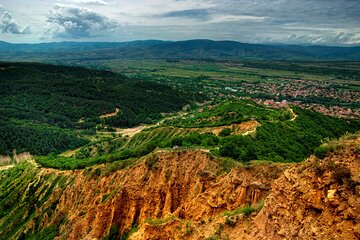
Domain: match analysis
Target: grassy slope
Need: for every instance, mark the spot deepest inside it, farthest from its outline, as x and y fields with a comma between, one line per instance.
x=22, y=191
x=277, y=139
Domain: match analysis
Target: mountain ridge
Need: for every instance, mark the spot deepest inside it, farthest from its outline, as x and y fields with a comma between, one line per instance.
x=187, y=49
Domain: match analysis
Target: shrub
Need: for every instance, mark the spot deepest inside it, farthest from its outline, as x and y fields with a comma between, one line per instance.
x=113, y=234
x=177, y=141
x=259, y=206
x=231, y=221
x=319, y=170
x=47, y=233
x=159, y=221
x=341, y=175
x=247, y=210
x=209, y=140
x=322, y=151
x=225, y=132
x=188, y=228
x=151, y=161
x=126, y=235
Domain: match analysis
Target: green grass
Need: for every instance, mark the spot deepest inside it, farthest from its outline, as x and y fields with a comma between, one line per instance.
x=247, y=210
x=115, y=150
x=159, y=221
x=248, y=71
x=20, y=189
x=108, y=196
x=228, y=113
x=126, y=235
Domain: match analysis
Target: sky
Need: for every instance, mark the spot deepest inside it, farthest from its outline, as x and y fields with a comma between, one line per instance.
x=318, y=22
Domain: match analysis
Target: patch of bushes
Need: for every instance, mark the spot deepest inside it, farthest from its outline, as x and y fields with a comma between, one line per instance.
x=116, y=166
x=247, y=210
x=151, y=161
x=188, y=228
x=159, y=221
x=217, y=234
x=341, y=175
x=225, y=132
x=48, y=233
x=288, y=141
x=227, y=164
x=107, y=196
x=321, y=151
x=127, y=234
x=113, y=233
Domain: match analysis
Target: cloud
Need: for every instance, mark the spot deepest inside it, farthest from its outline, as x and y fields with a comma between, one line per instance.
x=200, y=14
x=90, y=2
x=334, y=22
x=218, y=18
x=210, y=16
x=9, y=25
x=68, y=21
x=324, y=38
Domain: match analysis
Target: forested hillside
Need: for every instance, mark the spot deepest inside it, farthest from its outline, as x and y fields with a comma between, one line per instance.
x=189, y=49
x=41, y=104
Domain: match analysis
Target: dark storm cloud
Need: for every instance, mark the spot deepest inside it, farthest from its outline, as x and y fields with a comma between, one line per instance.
x=75, y=22
x=9, y=25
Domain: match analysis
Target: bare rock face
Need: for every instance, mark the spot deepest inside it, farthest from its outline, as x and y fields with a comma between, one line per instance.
x=188, y=195
x=317, y=199
x=184, y=185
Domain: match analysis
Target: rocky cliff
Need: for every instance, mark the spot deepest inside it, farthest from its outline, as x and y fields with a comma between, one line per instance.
x=186, y=195
x=163, y=187
x=318, y=199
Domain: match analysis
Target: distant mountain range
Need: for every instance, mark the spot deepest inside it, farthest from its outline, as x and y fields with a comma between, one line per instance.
x=156, y=49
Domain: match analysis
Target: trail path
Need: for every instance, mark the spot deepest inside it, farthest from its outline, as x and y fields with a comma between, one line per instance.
x=117, y=110
x=249, y=132
x=294, y=115
x=130, y=132
x=3, y=168
x=30, y=160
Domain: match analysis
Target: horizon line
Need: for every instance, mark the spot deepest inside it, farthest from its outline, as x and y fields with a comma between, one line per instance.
x=187, y=40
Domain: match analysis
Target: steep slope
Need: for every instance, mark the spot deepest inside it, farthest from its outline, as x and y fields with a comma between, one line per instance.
x=187, y=195
x=319, y=199
x=181, y=186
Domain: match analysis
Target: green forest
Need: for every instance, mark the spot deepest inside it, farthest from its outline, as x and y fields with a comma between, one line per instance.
x=41, y=105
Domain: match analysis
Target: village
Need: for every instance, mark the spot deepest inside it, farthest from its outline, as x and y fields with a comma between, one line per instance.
x=334, y=111
x=324, y=97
